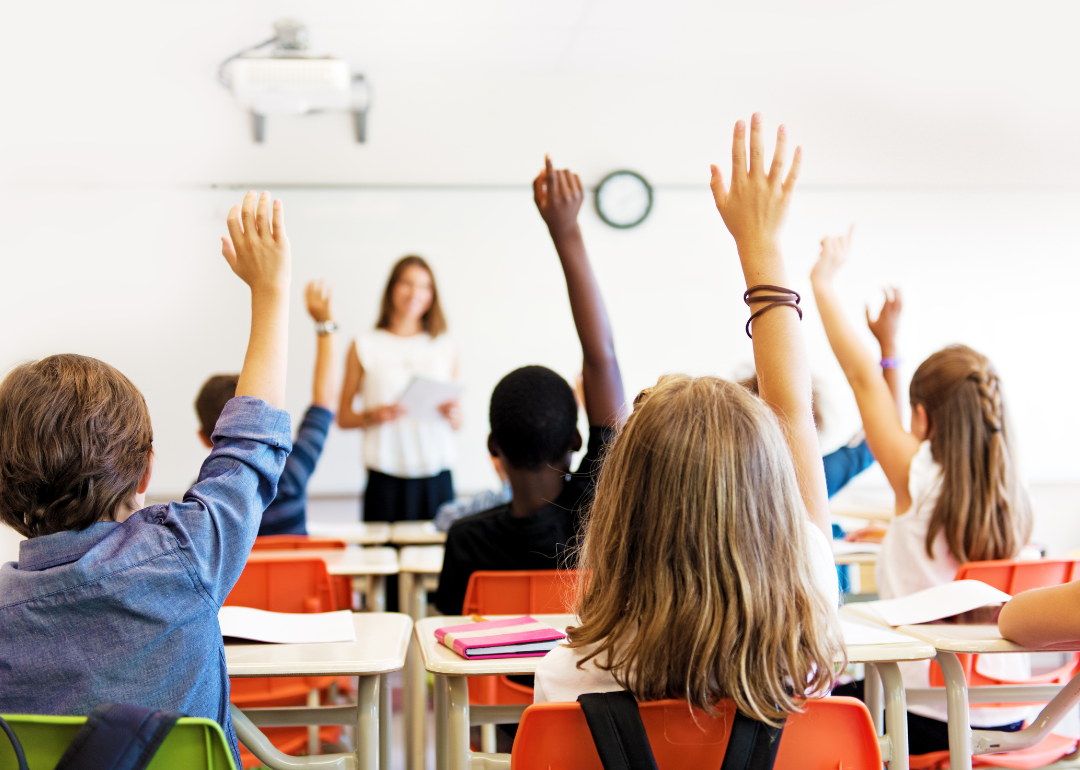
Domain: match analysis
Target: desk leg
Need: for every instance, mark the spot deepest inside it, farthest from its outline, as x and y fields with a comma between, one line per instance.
x=895, y=714
x=367, y=723
x=412, y=595
x=956, y=693
x=442, y=728
x=872, y=697
x=386, y=716
x=457, y=723
x=376, y=595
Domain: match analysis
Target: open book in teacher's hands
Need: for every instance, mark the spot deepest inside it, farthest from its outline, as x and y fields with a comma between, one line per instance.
x=423, y=397
x=507, y=638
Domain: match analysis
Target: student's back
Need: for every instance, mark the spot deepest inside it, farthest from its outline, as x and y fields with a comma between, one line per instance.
x=112, y=601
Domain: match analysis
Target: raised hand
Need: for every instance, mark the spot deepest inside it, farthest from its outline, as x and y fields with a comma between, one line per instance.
x=257, y=248
x=756, y=203
x=318, y=294
x=834, y=253
x=888, y=320
x=558, y=195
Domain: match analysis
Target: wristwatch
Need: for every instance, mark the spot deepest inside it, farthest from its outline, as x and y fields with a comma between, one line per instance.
x=325, y=327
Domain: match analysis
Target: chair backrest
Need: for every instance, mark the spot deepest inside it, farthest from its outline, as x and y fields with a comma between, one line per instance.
x=520, y=592
x=289, y=585
x=295, y=543
x=829, y=733
x=1013, y=575
x=193, y=744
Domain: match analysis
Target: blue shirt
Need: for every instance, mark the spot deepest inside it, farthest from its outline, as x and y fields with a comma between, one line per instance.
x=287, y=515
x=127, y=612
x=844, y=464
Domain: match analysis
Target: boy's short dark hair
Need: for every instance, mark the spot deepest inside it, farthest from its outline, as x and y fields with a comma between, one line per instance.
x=75, y=441
x=533, y=416
x=215, y=393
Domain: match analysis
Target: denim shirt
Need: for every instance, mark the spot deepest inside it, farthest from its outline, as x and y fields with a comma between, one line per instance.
x=127, y=612
x=287, y=515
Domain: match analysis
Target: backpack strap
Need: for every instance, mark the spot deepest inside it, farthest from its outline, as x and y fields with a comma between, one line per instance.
x=752, y=745
x=617, y=730
x=118, y=736
x=20, y=757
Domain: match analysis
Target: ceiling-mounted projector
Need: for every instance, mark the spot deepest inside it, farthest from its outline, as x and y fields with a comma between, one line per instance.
x=290, y=82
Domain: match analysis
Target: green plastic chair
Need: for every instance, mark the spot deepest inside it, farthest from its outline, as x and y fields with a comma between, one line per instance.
x=193, y=744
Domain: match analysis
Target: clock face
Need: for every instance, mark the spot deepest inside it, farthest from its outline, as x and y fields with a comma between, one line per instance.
x=623, y=199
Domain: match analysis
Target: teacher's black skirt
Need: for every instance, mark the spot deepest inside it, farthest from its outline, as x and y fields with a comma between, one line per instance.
x=391, y=498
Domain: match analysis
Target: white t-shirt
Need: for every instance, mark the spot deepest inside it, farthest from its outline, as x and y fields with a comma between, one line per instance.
x=406, y=448
x=558, y=679
x=904, y=568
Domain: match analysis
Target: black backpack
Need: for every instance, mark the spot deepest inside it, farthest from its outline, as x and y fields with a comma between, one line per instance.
x=115, y=736
x=616, y=727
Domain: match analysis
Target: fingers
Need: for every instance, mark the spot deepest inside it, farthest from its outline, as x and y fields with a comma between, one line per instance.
x=228, y=251
x=738, y=152
x=897, y=300
x=850, y=233
x=776, y=173
x=538, y=189
x=793, y=172
x=719, y=190
x=247, y=211
x=560, y=186
x=577, y=189
x=549, y=175
x=262, y=214
x=869, y=320
x=236, y=230
x=757, y=146
x=279, y=219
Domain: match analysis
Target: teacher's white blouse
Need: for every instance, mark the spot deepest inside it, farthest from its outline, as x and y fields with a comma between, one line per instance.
x=406, y=447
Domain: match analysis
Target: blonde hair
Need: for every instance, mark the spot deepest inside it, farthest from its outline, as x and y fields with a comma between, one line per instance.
x=695, y=576
x=983, y=509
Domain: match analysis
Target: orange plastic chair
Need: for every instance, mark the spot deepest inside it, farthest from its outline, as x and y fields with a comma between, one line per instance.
x=297, y=585
x=830, y=733
x=1012, y=576
x=341, y=583
x=516, y=592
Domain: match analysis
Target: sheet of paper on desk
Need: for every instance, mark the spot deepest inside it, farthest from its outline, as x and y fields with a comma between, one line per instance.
x=939, y=602
x=865, y=633
x=844, y=547
x=423, y=397
x=285, y=627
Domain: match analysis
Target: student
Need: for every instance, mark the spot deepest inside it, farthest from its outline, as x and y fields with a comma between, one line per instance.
x=958, y=495
x=407, y=458
x=534, y=426
x=111, y=601
x=706, y=569
x=287, y=514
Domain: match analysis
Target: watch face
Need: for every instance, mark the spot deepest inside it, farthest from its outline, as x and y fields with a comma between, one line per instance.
x=623, y=199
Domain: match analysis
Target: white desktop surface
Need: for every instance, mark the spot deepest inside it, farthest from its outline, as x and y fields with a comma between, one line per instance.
x=421, y=559
x=356, y=532
x=350, y=561
x=416, y=533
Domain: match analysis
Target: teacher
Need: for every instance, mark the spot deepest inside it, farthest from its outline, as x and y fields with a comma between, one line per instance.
x=407, y=459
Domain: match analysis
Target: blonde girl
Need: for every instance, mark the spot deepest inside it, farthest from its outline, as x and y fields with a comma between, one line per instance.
x=954, y=475
x=707, y=570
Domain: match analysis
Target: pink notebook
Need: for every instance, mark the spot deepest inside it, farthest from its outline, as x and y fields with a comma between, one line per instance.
x=510, y=638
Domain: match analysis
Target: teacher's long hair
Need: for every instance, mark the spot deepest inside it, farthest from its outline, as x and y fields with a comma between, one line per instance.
x=433, y=321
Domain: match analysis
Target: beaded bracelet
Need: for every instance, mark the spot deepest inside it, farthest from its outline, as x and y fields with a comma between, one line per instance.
x=776, y=300
x=890, y=362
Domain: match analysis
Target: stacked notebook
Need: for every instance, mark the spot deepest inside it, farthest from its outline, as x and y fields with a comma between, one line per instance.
x=508, y=638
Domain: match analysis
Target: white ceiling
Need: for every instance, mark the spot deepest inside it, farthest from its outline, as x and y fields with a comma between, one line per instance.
x=474, y=91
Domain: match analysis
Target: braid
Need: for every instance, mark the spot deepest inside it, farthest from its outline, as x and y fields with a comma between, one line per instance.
x=989, y=397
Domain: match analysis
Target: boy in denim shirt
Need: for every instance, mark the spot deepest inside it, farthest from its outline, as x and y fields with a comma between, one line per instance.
x=111, y=601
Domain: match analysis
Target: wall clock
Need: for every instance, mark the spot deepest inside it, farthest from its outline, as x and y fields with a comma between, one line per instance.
x=624, y=199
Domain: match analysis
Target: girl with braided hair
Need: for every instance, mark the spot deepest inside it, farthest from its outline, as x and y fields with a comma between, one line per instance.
x=959, y=497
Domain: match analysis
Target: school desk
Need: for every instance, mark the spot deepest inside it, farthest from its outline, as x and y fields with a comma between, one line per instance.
x=951, y=640
x=419, y=566
x=368, y=567
x=355, y=532
x=416, y=533
x=453, y=715
x=382, y=639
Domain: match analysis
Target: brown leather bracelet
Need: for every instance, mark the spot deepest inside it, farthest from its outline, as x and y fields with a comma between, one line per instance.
x=766, y=287
x=766, y=309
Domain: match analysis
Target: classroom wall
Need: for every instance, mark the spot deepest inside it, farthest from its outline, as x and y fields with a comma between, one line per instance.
x=948, y=143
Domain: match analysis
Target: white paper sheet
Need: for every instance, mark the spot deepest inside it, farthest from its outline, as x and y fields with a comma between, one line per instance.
x=423, y=397
x=867, y=633
x=843, y=547
x=285, y=627
x=939, y=602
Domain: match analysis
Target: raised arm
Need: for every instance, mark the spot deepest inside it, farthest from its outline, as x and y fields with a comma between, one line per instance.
x=558, y=195
x=884, y=330
x=753, y=210
x=892, y=446
x=324, y=382
x=257, y=250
